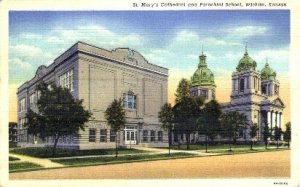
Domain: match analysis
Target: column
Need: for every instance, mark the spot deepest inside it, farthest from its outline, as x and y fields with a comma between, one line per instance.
x=269, y=118
x=280, y=114
x=276, y=119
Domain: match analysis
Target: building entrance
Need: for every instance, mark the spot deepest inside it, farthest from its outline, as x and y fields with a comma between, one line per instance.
x=130, y=135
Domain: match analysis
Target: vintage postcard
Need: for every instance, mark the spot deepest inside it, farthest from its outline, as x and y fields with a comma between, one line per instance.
x=149, y=93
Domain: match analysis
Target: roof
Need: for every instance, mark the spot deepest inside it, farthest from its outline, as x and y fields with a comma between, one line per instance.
x=267, y=73
x=203, y=76
x=246, y=63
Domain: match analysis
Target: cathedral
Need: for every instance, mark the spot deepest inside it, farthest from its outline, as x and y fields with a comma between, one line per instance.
x=254, y=93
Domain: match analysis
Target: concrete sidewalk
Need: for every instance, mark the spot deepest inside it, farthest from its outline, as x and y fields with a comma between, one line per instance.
x=40, y=161
x=47, y=162
x=166, y=151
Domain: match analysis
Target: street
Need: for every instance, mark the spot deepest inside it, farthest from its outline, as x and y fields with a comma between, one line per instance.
x=263, y=164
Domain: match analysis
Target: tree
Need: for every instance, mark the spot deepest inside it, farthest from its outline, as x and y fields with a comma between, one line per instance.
x=253, y=133
x=277, y=134
x=59, y=114
x=266, y=134
x=183, y=90
x=185, y=110
x=232, y=124
x=115, y=116
x=209, y=121
x=287, y=133
x=185, y=115
x=12, y=133
x=166, y=117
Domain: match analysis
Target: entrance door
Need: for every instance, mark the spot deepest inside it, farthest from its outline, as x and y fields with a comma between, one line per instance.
x=130, y=135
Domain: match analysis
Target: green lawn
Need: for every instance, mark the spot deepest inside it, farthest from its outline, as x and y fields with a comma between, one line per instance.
x=23, y=166
x=47, y=152
x=247, y=149
x=120, y=159
x=219, y=146
x=11, y=158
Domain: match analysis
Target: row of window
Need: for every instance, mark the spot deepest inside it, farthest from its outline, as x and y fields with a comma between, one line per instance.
x=112, y=136
x=203, y=93
x=66, y=80
x=103, y=135
x=152, y=136
x=267, y=90
x=244, y=83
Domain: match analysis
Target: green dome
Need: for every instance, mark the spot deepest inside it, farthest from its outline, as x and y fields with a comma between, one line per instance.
x=267, y=73
x=203, y=76
x=246, y=63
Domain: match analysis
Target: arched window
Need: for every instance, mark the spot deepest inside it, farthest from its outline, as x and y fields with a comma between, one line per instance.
x=242, y=85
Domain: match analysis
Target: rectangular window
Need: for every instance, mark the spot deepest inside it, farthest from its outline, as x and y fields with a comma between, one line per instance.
x=233, y=84
x=204, y=94
x=276, y=90
x=129, y=101
x=22, y=122
x=241, y=133
x=152, y=136
x=66, y=80
x=264, y=90
x=242, y=85
x=92, y=135
x=22, y=105
x=160, y=136
x=145, y=136
x=113, y=135
x=247, y=82
x=32, y=99
x=38, y=95
x=103, y=135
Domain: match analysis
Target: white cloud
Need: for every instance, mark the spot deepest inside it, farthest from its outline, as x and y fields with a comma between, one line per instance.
x=159, y=56
x=186, y=36
x=277, y=56
x=30, y=36
x=18, y=63
x=96, y=29
x=247, y=31
x=232, y=56
x=26, y=50
x=219, y=42
x=54, y=39
x=97, y=35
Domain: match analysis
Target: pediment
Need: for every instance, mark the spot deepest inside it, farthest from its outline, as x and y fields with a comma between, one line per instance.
x=41, y=71
x=278, y=102
x=131, y=56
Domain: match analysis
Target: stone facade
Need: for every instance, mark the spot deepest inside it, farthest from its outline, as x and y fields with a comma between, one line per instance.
x=254, y=93
x=98, y=76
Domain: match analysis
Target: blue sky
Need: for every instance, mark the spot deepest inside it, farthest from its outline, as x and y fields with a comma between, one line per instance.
x=168, y=38
x=172, y=39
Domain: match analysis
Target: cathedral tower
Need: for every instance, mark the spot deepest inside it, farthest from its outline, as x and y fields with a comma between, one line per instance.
x=269, y=84
x=246, y=81
x=202, y=82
